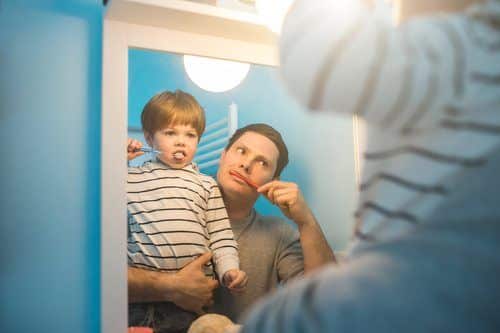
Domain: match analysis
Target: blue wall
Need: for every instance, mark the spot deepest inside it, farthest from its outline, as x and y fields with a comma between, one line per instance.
x=50, y=86
x=320, y=146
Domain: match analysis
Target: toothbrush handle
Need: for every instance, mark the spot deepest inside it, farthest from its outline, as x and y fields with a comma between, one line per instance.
x=149, y=150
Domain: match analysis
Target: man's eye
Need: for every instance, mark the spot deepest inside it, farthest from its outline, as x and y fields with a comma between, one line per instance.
x=263, y=163
x=240, y=150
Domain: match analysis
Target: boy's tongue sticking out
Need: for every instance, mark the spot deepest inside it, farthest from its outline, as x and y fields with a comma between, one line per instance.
x=179, y=155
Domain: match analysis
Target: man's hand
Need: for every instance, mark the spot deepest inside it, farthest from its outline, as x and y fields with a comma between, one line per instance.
x=236, y=281
x=288, y=197
x=133, y=147
x=193, y=290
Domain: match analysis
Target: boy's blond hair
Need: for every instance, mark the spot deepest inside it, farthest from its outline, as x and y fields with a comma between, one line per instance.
x=172, y=108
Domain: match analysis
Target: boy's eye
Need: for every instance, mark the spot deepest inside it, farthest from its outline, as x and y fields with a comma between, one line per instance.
x=192, y=135
x=169, y=132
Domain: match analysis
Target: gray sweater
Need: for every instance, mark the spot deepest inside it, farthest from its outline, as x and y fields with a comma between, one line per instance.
x=270, y=254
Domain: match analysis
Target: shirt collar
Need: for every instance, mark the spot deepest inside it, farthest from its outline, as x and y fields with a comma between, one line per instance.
x=240, y=225
x=190, y=167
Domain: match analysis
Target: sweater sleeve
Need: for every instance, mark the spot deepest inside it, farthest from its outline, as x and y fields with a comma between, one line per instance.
x=411, y=285
x=221, y=238
x=333, y=300
x=339, y=55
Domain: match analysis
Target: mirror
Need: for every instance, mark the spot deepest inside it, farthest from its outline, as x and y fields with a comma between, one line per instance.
x=321, y=146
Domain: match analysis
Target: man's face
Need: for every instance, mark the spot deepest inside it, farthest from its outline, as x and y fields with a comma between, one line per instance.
x=255, y=157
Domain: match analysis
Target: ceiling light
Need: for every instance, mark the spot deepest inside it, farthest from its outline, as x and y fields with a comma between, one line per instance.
x=215, y=75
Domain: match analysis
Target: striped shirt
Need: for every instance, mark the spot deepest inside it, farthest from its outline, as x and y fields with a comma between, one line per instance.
x=429, y=91
x=175, y=215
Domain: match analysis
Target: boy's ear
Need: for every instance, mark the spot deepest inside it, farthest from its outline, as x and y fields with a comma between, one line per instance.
x=149, y=138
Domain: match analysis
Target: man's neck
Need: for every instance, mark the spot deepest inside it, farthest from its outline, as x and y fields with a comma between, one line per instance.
x=238, y=209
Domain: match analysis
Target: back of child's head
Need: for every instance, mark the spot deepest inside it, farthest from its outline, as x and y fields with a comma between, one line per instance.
x=172, y=108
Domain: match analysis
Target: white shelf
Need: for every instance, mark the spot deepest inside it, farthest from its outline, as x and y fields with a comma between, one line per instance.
x=192, y=17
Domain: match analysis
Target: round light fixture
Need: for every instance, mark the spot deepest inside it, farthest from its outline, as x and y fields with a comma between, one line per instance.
x=215, y=75
x=273, y=12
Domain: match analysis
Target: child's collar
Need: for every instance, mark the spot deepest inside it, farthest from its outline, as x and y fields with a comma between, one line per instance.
x=192, y=166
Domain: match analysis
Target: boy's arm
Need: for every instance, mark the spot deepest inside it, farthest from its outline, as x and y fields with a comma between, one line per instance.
x=221, y=238
x=189, y=288
x=357, y=51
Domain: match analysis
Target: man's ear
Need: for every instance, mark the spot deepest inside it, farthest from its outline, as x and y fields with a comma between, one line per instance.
x=149, y=138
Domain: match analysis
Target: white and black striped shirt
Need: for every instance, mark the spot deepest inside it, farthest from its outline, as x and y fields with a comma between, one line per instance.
x=175, y=215
x=429, y=91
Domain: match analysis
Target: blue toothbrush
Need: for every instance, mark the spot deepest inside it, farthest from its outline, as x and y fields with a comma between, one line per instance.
x=149, y=150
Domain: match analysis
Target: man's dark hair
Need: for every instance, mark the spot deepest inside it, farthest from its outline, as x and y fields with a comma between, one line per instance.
x=270, y=133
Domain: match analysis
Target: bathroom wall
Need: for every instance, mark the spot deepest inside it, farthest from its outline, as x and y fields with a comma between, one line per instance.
x=50, y=86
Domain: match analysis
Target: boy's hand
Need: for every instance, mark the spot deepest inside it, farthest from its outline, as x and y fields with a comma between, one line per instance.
x=235, y=280
x=133, y=147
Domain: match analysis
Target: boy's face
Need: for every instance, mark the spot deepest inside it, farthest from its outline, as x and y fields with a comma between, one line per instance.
x=176, y=143
x=255, y=157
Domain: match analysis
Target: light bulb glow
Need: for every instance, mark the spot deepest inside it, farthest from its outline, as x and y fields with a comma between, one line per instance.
x=215, y=75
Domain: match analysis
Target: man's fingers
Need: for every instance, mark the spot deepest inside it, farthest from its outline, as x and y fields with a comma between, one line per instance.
x=286, y=199
x=264, y=188
x=272, y=184
x=213, y=284
x=201, y=260
x=270, y=194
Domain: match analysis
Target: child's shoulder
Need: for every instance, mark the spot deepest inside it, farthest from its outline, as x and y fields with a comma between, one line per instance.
x=207, y=179
x=147, y=166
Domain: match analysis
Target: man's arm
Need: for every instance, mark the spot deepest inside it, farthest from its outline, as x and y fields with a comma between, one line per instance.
x=316, y=250
x=189, y=288
x=288, y=197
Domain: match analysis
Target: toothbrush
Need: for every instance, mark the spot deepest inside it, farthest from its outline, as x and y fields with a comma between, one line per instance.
x=149, y=150
x=246, y=180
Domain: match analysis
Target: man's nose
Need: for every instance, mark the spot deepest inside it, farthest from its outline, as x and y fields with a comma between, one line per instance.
x=245, y=165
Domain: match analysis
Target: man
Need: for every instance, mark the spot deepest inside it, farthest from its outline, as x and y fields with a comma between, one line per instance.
x=271, y=251
x=428, y=237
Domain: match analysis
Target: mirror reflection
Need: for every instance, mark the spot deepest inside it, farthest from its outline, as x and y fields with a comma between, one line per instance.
x=195, y=190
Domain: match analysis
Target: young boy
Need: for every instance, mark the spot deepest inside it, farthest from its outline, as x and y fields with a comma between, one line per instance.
x=425, y=257
x=175, y=213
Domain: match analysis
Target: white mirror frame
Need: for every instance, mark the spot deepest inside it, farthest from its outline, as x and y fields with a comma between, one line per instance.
x=162, y=25
x=171, y=26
